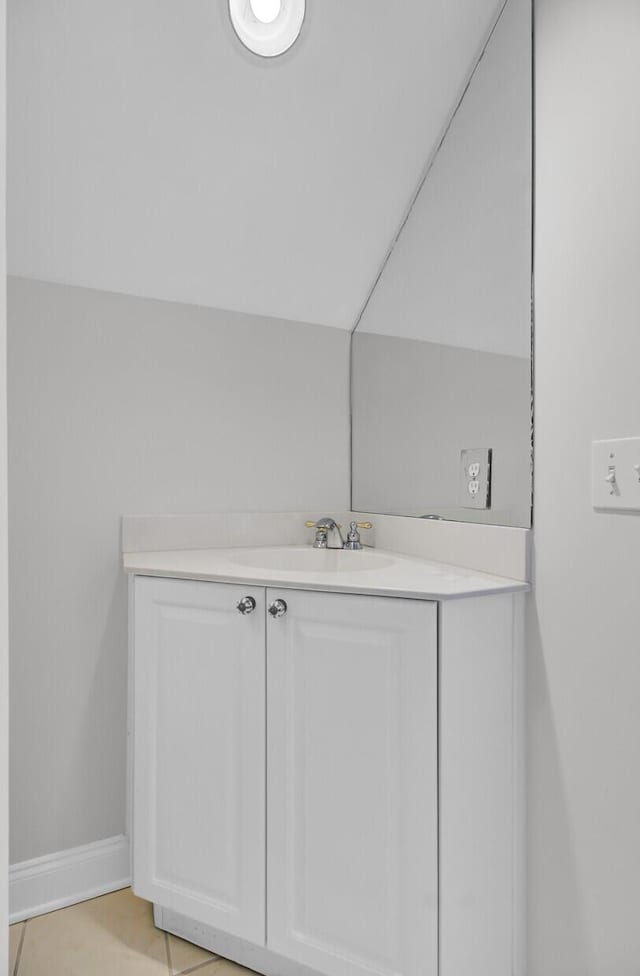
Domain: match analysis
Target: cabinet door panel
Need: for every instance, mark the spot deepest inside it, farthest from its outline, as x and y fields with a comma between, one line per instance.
x=352, y=784
x=199, y=752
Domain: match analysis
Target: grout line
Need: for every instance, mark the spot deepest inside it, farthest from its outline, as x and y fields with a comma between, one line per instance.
x=19, y=953
x=427, y=170
x=200, y=965
x=168, y=949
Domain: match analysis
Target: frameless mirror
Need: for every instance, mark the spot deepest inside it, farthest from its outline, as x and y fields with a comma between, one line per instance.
x=441, y=356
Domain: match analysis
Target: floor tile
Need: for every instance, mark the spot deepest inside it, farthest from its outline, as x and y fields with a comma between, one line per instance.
x=184, y=955
x=111, y=935
x=15, y=935
x=223, y=967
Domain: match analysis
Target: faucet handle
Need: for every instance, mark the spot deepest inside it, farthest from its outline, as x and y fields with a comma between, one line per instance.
x=353, y=538
x=314, y=525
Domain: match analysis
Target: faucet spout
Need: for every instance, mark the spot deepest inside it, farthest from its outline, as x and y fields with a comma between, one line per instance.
x=323, y=527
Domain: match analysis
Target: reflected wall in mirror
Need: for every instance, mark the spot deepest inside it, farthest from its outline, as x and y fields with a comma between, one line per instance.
x=441, y=357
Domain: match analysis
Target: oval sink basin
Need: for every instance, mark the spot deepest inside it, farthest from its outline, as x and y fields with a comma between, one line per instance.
x=311, y=560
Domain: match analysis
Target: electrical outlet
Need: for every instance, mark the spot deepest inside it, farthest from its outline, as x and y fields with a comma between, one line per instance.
x=475, y=478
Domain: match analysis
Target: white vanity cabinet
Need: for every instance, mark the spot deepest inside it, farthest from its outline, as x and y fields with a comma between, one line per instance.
x=199, y=753
x=331, y=790
x=352, y=839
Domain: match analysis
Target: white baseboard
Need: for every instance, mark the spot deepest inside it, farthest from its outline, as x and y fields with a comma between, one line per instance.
x=54, y=881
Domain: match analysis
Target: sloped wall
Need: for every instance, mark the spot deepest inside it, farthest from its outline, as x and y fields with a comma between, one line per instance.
x=151, y=154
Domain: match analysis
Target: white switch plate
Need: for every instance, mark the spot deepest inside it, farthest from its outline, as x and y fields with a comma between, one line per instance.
x=616, y=474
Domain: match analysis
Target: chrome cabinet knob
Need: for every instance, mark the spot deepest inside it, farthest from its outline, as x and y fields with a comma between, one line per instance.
x=247, y=605
x=278, y=608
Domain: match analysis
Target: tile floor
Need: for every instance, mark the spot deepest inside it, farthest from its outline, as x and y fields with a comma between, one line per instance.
x=109, y=936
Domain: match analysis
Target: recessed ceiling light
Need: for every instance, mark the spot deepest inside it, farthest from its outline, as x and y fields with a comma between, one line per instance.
x=267, y=27
x=266, y=11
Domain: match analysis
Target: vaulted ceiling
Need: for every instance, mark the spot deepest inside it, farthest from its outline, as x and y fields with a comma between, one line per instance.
x=150, y=154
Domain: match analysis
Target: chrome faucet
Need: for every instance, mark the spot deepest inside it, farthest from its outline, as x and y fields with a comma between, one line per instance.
x=326, y=525
x=323, y=527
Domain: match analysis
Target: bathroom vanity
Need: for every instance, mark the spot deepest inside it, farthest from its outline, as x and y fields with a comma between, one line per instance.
x=327, y=746
x=326, y=749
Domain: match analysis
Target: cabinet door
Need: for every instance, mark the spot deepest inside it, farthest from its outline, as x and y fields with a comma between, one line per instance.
x=199, y=752
x=352, y=784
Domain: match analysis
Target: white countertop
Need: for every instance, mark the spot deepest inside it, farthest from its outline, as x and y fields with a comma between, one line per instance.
x=387, y=573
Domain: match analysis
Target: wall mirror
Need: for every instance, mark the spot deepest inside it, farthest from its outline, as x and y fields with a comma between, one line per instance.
x=441, y=355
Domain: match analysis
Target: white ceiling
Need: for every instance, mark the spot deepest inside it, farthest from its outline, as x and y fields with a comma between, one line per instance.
x=150, y=154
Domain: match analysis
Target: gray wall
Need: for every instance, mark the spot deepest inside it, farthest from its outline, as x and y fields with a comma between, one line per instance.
x=416, y=406
x=4, y=610
x=584, y=643
x=125, y=405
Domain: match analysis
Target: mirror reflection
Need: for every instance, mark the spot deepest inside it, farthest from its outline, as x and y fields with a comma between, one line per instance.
x=441, y=356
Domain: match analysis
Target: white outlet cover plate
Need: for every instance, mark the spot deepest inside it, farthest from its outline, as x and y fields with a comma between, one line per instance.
x=475, y=478
x=620, y=456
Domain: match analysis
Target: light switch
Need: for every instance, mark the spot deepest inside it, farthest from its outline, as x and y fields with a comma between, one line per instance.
x=616, y=474
x=475, y=478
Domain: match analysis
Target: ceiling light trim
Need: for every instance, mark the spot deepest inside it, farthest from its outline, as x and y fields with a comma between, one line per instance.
x=268, y=40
